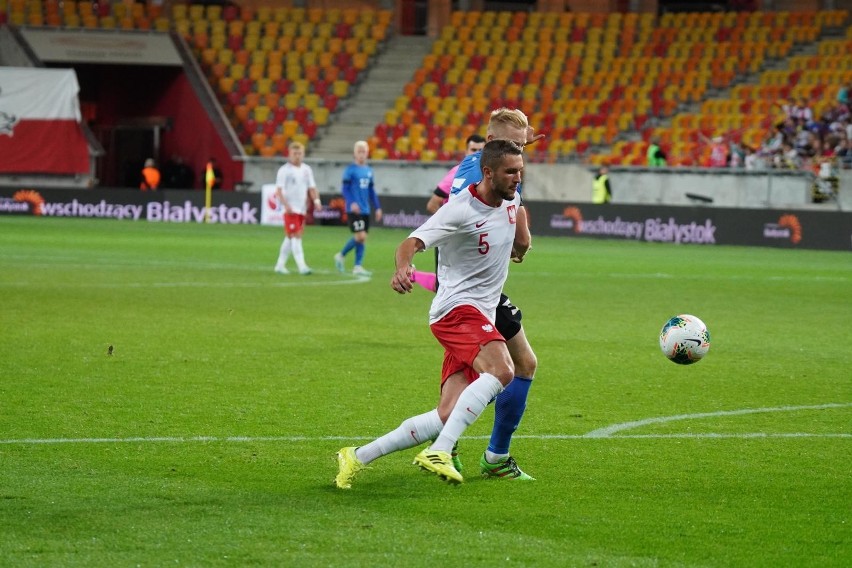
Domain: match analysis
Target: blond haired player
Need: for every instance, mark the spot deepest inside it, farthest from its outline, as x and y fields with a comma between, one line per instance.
x=294, y=185
x=359, y=193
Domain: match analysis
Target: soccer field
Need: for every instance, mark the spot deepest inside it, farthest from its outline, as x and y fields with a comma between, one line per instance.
x=168, y=400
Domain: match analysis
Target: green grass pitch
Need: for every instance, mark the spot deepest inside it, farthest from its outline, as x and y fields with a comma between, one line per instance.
x=207, y=436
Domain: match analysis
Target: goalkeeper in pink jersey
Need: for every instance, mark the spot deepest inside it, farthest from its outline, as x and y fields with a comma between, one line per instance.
x=476, y=234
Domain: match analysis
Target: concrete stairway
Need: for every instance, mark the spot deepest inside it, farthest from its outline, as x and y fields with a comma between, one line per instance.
x=376, y=94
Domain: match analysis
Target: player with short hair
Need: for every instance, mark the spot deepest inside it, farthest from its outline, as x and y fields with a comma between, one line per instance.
x=476, y=234
x=359, y=192
x=294, y=184
x=509, y=407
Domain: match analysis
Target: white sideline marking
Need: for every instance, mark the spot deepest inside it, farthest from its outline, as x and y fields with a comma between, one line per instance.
x=770, y=278
x=303, y=281
x=296, y=439
x=608, y=431
x=599, y=433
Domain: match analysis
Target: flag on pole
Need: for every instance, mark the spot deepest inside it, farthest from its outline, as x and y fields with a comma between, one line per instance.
x=209, y=180
x=209, y=177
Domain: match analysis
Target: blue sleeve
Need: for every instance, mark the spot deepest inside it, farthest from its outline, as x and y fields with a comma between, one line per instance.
x=469, y=172
x=346, y=187
x=374, y=197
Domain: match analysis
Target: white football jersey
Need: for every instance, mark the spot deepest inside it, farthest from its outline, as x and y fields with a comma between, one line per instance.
x=475, y=240
x=294, y=181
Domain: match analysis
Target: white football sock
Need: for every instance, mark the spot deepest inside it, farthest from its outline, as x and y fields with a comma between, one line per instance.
x=412, y=432
x=469, y=406
x=298, y=253
x=491, y=457
x=284, y=252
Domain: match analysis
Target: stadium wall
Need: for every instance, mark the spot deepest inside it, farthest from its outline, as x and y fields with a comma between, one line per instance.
x=11, y=52
x=573, y=182
x=705, y=226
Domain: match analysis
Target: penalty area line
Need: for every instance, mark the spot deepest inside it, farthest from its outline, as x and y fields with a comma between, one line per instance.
x=608, y=431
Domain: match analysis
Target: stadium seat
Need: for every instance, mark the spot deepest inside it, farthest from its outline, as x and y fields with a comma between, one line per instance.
x=569, y=64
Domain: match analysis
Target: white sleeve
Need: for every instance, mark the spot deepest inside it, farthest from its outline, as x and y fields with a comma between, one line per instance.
x=311, y=181
x=281, y=178
x=443, y=224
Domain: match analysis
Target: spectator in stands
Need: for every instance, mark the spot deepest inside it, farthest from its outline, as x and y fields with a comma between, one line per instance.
x=150, y=176
x=838, y=122
x=774, y=145
x=843, y=96
x=601, y=190
x=656, y=156
x=788, y=158
x=843, y=151
x=797, y=113
x=804, y=115
x=788, y=107
x=736, y=154
x=177, y=175
x=789, y=129
x=718, y=152
x=804, y=142
x=753, y=159
x=816, y=150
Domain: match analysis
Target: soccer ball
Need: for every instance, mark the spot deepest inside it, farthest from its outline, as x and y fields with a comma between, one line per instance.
x=684, y=339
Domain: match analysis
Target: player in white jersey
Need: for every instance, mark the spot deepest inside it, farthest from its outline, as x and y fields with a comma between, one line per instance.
x=467, y=215
x=497, y=462
x=476, y=235
x=294, y=184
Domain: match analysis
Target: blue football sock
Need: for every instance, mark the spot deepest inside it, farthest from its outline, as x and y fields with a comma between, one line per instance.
x=508, y=410
x=350, y=244
x=359, y=253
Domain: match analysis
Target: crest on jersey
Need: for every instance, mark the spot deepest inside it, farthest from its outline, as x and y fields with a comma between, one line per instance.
x=512, y=211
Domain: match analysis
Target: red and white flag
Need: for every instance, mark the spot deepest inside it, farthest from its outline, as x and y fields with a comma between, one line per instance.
x=40, y=130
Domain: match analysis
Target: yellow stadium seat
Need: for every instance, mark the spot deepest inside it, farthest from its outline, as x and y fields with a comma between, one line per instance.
x=320, y=116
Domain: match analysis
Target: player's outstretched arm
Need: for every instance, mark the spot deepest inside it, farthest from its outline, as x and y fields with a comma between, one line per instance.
x=434, y=203
x=401, y=281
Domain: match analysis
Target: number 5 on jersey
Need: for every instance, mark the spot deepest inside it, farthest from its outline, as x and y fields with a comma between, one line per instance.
x=484, y=247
